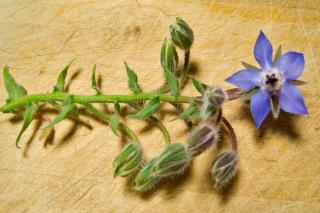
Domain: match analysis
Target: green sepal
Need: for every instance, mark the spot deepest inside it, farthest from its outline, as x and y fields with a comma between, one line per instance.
x=169, y=57
x=133, y=80
x=189, y=111
x=247, y=95
x=14, y=89
x=115, y=119
x=28, y=116
x=275, y=107
x=298, y=82
x=200, y=87
x=152, y=107
x=68, y=109
x=250, y=67
x=277, y=55
x=59, y=87
x=94, y=84
x=172, y=82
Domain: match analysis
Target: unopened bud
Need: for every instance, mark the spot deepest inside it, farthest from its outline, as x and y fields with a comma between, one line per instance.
x=212, y=99
x=174, y=160
x=146, y=179
x=128, y=161
x=224, y=168
x=169, y=57
x=181, y=34
x=202, y=137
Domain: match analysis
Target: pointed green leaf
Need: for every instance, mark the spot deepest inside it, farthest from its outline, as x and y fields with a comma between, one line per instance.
x=251, y=67
x=200, y=87
x=149, y=109
x=94, y=84
x=59, y=87
x=298, y=82
x=68, y=109
x=133, y=80
x=29, y=114
x=277, y=55
x=172, y=82
x=189, y=111
x=247, y=95
x=115, y=119
x=15, y=90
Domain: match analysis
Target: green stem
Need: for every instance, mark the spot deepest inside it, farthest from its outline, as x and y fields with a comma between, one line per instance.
x=156, y=122
x=107, y=119
x=85, y=99
x=184, y=74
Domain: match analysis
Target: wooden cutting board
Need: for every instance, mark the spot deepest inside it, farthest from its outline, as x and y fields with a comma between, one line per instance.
x=280, y=163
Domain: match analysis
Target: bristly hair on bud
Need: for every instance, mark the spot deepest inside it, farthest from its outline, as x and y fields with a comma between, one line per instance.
x=202, y=137
x=128, y=161
x=212, y=100
x=181, y=34
x=169, y=57
x=146, y=179
x=173, y=161
x=224, y=168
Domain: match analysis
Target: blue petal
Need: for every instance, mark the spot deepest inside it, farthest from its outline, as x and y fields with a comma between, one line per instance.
x=263, y=51
x=291, y=100
x=291, y=64
x=245, y=79
x=260, y=106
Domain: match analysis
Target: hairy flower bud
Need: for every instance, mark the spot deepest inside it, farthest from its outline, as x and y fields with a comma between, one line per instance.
x=146, y=179
x=202, y=137
x=128, y=161
x=169, y=57
x=172, y=161
x=224, y=168
x=181, y=34
x=212, y=99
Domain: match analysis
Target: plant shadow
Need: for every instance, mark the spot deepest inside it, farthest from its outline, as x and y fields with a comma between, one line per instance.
x=285, y=124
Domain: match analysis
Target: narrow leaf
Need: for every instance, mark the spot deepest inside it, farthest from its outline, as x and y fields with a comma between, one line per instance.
x=200, y=87
x=133, y=80
x=59, y=87
x=14, y=90
x=277, y=55
x=189, y=111
x=249, y=66
x=115, y=119
x=68, y=109
x=275, y=107
x=172, y=82
x=247, y=95
x=298, y=82
x=29, y=114
x=149, y=109
x=94, y=84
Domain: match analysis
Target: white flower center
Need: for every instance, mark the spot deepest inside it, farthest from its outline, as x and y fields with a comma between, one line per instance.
x=271, y=80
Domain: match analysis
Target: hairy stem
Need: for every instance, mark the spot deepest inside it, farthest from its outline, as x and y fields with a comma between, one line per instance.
x=85, y=99
x=107, y=119
x=232, y=134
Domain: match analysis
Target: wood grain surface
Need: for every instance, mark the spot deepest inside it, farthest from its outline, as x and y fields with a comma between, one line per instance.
x=279, y=164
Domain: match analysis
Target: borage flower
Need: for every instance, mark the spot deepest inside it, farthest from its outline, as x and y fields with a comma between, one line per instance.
x=274, y=80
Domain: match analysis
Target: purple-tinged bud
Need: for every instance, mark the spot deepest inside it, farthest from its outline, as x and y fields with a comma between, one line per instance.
x=224, y=168
x=128, y=161
x=212, y=100
x=202, y=137
x=181, y=34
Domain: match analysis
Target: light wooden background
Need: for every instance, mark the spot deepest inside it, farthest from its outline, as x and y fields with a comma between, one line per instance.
x=280, y=163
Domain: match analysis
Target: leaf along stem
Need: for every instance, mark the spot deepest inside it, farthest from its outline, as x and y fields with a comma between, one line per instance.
x=86, y=99
x=107, y=119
